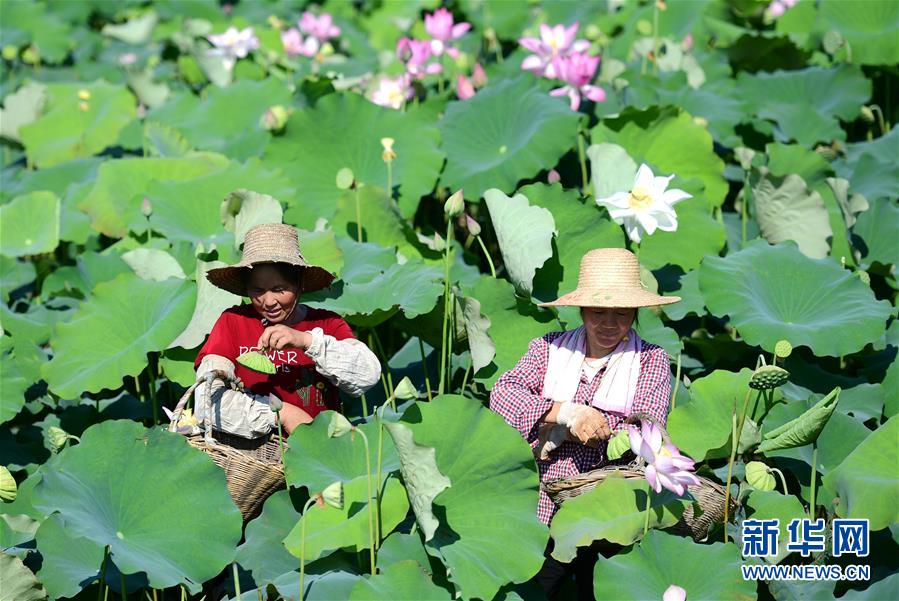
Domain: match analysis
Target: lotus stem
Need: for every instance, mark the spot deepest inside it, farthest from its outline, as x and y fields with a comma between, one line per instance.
x=676, y=384
x=744, y=208
x=102, y=580
x=364, y=405
x=449, y=343
x=811, y=507
x=281, y=443
x=647, y=509
x=582, y=159
x=236, y=579
x=783, y=480
x=151, y=382
x=380, y=417
x=743, y=413
x=358, y=213
x=424, y=366
x=303, y=547
x=371, y=502
x=487, y=255
x=122, y=584
x=465, y=377
x=373, y=333
x=390, y=179
x=655, y=39
x=446, y=292
x=730, y=467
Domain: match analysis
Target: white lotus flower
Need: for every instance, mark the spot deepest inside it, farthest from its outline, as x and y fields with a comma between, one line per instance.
x=233, y=44
x=647, y=207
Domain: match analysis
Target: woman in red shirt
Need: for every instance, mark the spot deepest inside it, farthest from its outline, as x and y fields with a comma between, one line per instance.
x=314, y=350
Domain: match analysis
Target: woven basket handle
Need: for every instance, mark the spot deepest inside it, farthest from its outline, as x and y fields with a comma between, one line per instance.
x=207, y=378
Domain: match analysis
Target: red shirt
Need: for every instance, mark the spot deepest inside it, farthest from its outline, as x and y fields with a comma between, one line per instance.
x=295, y=381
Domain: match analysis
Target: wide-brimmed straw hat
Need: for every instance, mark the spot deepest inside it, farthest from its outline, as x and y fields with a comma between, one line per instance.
x=269, y=243
x=610, y=277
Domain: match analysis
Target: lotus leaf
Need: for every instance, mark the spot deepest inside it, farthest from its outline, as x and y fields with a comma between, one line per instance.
x=791, y=211
x=153, y=264
x=404, y=580
x=24, y=234
x=399, y=547
x=481, y=346
x=759, y=477
x=262, y=551
x=804, y=429
x=751, y=287
x=14, y=274
x=19, y=584
x=492, y=497
x=69, y=563
x=120, y=488
x=21, y=108
x=611, y=169
x=877, y=228
x=109, y=335
x=660, y=560
x=613, y=511
x=866, y=481
x=871, y=33
x=489, y=146
x=767, y=505
x=211, y=302
x=618, y=446
x=164, y=141
x=257, y=362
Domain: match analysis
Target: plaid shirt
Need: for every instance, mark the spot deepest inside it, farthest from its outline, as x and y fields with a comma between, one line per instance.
x=517, y=396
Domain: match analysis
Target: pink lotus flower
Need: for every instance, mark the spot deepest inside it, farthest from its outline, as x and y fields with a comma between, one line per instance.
x=442, y=28
x=577, y=71
x=674, y=593
x=392, y=92
x=478, y=76
x=321, y=28
x=665, y=466
x=417, y=54
x=464, y=88
x=554, y=42
x=295, y=45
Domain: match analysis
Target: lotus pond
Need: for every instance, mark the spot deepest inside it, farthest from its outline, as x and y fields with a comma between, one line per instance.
x=451, y=167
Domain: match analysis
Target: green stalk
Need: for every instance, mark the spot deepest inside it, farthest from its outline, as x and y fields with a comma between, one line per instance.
x=465, y=377
x=236, y=579
x=783, y=480
x=102, y=580
x=811, y=507
x=371, y=502
x=389, y=179
x=582, y=158
x=374, y=335
x=151, y=377
x=449, y=344
x=122, y=583
x=487, y=254
x=648, y=509
x=303, y=547
x=281, y=443
x=655, y=39
x=446, y=292
x=358, y=214
x=364, y=406
x=424, y=366
x=730, y=468
x=676, y=384
x=743, y=209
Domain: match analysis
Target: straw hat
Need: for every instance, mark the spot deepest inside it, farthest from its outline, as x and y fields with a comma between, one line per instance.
x=269, y=243
x=610, y=277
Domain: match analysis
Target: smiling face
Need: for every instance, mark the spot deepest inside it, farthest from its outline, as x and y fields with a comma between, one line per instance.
x=606, y=327
x=273, y=291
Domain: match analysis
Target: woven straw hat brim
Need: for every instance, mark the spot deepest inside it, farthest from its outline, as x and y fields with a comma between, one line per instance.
x=231, y=279
x=611, y=298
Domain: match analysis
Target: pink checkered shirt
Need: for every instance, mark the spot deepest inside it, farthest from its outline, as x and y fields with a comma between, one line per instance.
x=517, y=397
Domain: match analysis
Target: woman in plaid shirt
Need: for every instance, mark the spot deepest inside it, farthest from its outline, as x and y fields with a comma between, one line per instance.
x=573, y=390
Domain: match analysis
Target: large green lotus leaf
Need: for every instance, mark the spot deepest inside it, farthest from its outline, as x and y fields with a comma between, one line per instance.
x=480, y=345
x=122, y=485
x=381, y=220
x=891, y=386
x=420, y=474
x=109, y=335
x=19, y=583
x=48, y=32
x=21, y=108
x=320, y=248
x=870, y=166
x=329, y=528
x=490, y=143
x=400, y=546
x=492, y=499
x=718, y=102
x=878, y=228
x=866, y=482
x=702, y=428
x=872, y=33
x=691, y=298
x=524, y=233
x=65, y=131
x=402, y=581
x=13, y=384
x=805, y=104
x=35, y=324
x=776, y=293
x=766, y=505
x=211, y=302
x=514, y=322
x=611, y=169
x=790, y=211
x=651, y=329
x=153, y=264
x=262, y=552
x=698, y=234
x=191, y=208
x=69, y=563
x=345, y=130
x=90, y=269
x=226, y=120
x=14, y=274
x=122, y=184
x=505, y=18
x=803, y=429
x=671, y=144
x=164, y=141
x=244, y=209
x=614, y=511
x=582, y=228
x=315, y=460
x=29, y=224
x=646, y=571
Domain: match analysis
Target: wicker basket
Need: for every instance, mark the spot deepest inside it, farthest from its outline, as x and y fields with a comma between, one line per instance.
x=708, y=495
x=253, y=467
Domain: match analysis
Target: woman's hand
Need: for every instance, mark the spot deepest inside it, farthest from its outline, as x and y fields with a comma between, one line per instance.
x=279, y=337
x=586, y=424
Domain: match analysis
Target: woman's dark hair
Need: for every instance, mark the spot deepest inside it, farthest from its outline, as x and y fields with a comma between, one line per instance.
x=291, y=273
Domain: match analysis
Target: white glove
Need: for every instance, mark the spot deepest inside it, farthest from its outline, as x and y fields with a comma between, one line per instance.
x=231, y=411
x=549, y=438
x=584, y=422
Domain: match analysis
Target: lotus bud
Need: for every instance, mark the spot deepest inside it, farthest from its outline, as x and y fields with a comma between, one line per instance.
x=867, y=114
x=553, y=177
x=388, y=155
x=782, y=349
x=275, y=403
x=464, y=88
x=439, y=244
x=660, y=4
x=8, y=487
x=454, y=205
x=333, y=495
x=338, y=426
x=405, y=390
x=84, y=107
x=275, y=22
x=57, y=437
x=31, y=55
x=345, y=178
x=674, y=593
x=84, y=94
x=146, y=207
x=478, y=76
x=759, y=476
x=10, y=52
x=592, y=32
x=473, y=226
x=275, y=118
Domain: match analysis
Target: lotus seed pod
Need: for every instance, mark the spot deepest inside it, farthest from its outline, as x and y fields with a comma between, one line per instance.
x=863, y=276
x=333, y=495
x=783, y=348
x=454, y=205
x=619, y=445
x=257, y=362
x=758, y=476
x=8, y=488
x=768, y=377
x=389, y=154
x=57, y=437
x=405, y=390
x=275, y=403
x=473, y=226
x=31, y=55
x=345, y=178
x=867, y=114
x=338, y=426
